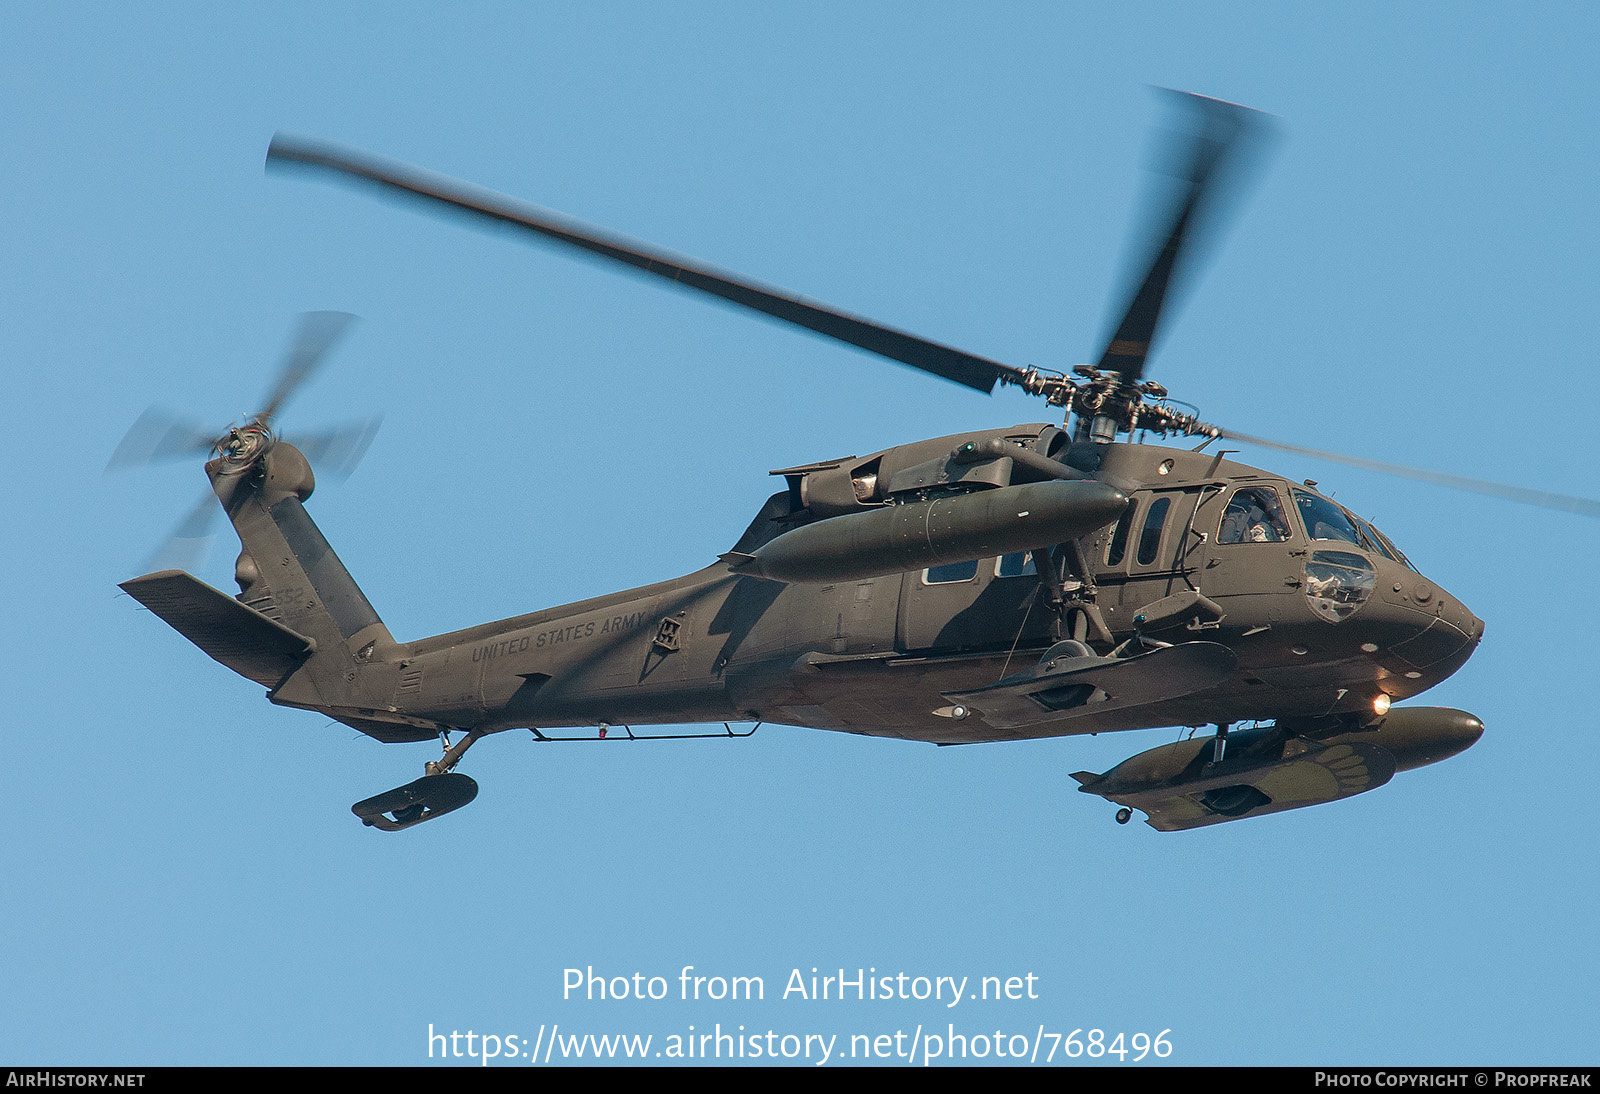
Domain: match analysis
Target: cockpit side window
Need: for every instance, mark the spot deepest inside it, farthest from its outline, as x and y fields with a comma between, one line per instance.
x=1370, y=538
x=1325, y=520
x=1254, y=515
x=1386, y=545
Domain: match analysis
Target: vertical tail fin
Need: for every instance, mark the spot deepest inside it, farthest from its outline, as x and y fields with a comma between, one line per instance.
x=288, y=573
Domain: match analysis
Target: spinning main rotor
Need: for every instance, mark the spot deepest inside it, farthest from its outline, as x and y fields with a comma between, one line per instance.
x=1108, y=398
x=1102, y=401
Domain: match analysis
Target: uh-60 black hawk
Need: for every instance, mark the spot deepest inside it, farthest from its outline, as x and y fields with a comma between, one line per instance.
x=998, y=585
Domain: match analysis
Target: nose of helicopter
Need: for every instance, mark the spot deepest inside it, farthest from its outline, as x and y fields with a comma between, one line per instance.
x=1457, y=615
x=1438, y=632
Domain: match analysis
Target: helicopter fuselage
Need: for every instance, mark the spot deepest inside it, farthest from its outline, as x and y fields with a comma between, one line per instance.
x=1320, y=626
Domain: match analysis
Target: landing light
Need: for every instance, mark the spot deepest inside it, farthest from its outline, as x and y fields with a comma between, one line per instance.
x=1380, y=705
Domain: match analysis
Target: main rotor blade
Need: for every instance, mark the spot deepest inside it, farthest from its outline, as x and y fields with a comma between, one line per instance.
x=951, y=364
x=1219, y=129
x=157, y=436
x=319, y=330
x=1567, y=503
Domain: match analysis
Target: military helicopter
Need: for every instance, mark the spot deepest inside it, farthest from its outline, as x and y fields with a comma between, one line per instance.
x=1038, y=581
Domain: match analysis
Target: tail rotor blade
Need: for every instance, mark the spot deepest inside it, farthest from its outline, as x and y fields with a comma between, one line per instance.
x=335, y=453
x=157, y=437
x=318, y=332
x=190, y=542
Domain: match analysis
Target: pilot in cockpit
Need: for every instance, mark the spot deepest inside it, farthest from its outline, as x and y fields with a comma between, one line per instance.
x=1253, y=516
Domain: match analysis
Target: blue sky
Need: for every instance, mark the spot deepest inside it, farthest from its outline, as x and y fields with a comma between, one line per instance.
x=1411, y=279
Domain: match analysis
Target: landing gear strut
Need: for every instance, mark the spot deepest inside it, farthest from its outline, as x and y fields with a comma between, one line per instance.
x=1219, y=743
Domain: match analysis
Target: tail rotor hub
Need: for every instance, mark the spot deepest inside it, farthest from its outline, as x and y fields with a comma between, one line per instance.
x=244, y=445
x=157, y=437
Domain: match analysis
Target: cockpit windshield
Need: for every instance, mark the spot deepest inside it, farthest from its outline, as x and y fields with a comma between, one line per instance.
x=1325, y=520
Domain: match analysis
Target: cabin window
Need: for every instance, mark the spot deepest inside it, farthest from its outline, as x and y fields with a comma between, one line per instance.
x=1150, y=537
x=1016, y=565
x=1255, y=515
x=1119, y=538
x=951, y=574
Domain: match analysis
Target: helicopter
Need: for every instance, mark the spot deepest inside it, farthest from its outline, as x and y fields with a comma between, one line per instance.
x=1036, y=581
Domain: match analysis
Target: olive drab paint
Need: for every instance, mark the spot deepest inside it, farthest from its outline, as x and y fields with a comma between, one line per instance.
x=887, y=655
x=995, y=585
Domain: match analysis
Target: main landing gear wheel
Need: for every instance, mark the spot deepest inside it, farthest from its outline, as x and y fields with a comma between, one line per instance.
x=438, y=792
x=430, y=796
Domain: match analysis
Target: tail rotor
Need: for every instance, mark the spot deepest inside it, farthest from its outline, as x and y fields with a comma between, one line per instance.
x=159, y=436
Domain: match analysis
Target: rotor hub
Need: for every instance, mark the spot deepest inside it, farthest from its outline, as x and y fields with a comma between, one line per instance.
x=1108, y=403
x=244, y=445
